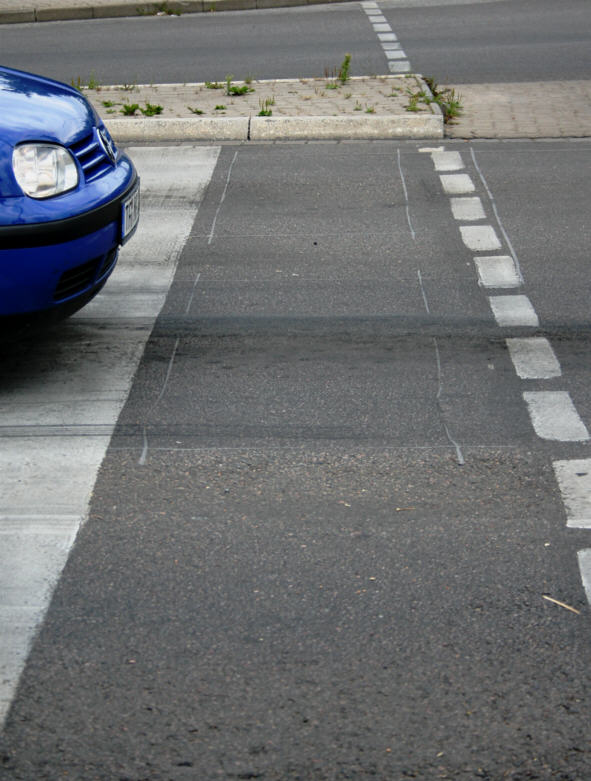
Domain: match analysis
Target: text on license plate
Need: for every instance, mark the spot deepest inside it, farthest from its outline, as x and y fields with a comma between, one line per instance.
x=130, y=214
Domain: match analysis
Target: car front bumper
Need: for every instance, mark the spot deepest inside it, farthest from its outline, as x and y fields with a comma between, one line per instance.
x=59, y=265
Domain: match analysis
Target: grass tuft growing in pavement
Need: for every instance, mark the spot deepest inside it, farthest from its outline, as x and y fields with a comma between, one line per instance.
x=151, y=110
x=446, y=98
x=265, y=106
x=338, y=77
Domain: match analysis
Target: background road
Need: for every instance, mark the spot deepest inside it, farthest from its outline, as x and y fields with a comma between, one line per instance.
x=286, y=571
x=497, y=41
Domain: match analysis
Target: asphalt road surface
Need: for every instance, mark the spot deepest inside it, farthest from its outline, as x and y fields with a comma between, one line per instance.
x=327, y=539
x=455, y=42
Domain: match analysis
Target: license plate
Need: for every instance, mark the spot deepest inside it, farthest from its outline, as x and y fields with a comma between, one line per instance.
x=130, y=214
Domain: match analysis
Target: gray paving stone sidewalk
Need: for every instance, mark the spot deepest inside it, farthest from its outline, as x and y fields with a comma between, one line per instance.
x=551, y=109
x=363, y=107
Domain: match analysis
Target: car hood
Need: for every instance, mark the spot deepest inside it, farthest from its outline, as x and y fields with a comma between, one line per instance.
x=33, y=108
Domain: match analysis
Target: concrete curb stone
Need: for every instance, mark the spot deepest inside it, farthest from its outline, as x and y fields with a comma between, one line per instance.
x=297, y=128
x=48, y=11
x=274, y=128
x=181, y=129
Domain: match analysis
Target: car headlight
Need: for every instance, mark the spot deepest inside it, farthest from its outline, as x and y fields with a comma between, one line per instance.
x=43, y=170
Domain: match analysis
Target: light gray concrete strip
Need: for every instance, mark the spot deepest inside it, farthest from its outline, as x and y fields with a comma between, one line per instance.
x=59, y=421
x=202, y=129
x=279, y=128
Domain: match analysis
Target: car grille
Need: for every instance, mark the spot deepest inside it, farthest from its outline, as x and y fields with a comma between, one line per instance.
x=92, y=157
x=77, y=279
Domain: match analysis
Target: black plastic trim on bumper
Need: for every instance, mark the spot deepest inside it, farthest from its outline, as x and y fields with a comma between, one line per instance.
x=42, y=234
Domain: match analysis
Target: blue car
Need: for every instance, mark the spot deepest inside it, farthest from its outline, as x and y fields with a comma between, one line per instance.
x=68, y=199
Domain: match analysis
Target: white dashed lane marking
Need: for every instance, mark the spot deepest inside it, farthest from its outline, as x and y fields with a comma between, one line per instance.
x=574, y=480
x=397, y=59
x=447, y=161
x=466, y=209
x=497, y=271
x=534, y=358
x=457, y=184
x=59, y=409
x=554, y=416
x=513, y=311
x=480, y=238
x=552, y=413
x=584, y=557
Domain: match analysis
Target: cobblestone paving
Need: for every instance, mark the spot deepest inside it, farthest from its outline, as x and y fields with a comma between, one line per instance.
x=382, y=95
x=554, y=109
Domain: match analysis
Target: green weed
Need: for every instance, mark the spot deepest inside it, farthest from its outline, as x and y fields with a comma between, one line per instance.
x=151, y=110
x=446, y=98
x=265, y=106
x=129, y=109
x=93, y=83
x=343, y=75
x=163, y=9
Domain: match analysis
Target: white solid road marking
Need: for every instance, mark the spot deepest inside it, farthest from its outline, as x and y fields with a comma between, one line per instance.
x=584, y=557
x=466, y=209
x=574, y=480
x=534, y=358
x=59, y=410
x=457, y=184
x=497, y=271
x=480, y=238
x=510, y=311
x=553, y=416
